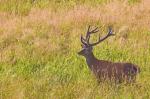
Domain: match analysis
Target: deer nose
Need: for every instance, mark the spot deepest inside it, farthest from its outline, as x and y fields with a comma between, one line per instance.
x=80, y=52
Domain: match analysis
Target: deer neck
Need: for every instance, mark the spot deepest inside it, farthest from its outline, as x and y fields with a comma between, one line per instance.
x=90, y=59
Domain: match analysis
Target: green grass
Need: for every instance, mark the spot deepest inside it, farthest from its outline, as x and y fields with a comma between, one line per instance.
x=39, y=43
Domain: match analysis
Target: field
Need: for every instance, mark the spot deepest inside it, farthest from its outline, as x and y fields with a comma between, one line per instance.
x=39, y=41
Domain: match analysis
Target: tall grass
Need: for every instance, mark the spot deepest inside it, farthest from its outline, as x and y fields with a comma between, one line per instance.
x=39, y=41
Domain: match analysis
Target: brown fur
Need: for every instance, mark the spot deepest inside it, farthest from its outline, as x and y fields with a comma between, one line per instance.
x=106, y=70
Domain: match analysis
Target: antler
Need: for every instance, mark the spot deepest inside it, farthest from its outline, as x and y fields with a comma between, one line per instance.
x=110, y=33
x=86, y=41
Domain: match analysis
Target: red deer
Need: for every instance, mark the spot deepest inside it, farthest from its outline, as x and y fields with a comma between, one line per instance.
x=103, y=69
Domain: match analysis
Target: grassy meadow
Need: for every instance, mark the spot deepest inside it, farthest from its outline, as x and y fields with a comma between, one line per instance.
x=39, y=41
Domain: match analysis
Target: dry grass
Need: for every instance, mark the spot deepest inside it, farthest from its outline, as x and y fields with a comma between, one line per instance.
x=38, y=50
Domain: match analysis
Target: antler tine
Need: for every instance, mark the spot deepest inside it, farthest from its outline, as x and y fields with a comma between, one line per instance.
x=88, y=28
x=110, y=33
x=95, y=30
x=90, y=32
x=87, y=34
x=85, y=41
x=82, y=40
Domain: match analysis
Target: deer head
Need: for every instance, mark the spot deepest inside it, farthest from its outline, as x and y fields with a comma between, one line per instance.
x=87, y=46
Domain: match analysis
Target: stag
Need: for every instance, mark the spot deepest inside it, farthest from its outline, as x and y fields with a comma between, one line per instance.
x=103, y=69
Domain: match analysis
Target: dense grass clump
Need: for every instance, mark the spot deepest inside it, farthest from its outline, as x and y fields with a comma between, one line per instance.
x=39, y=41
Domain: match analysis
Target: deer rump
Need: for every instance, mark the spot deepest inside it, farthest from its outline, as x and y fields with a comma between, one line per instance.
x=118, y=72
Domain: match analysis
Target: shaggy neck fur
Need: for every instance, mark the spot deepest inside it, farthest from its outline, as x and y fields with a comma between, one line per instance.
x=90, y=59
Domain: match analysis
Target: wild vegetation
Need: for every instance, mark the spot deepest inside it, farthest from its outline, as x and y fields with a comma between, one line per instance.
x=39, y=41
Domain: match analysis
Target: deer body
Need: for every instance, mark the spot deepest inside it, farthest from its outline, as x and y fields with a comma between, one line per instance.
x=106, y=70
